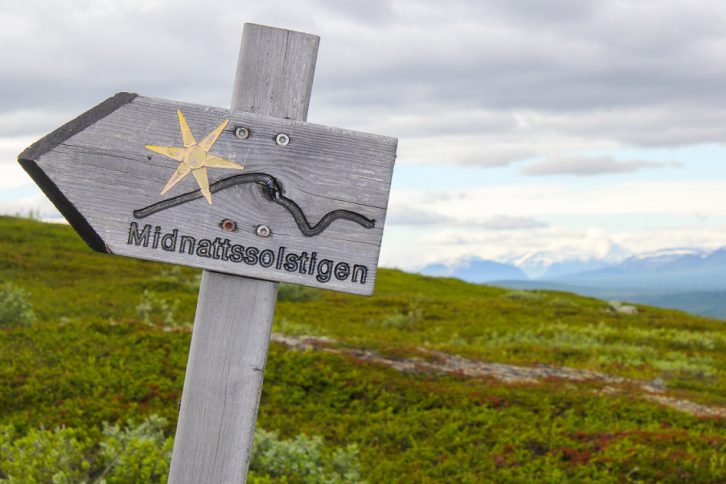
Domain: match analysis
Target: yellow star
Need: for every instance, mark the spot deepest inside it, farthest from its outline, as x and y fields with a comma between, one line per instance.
x=194, y=157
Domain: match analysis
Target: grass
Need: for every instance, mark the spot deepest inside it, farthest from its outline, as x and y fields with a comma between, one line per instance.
x=109, y=344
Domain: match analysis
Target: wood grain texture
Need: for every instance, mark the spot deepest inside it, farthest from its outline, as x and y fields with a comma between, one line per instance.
x=262, y=80
x=223, y=379
x=39, y=148
x=232, y=327
x=106, y=173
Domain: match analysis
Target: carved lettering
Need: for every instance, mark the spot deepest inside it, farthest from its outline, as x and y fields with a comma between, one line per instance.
x=359, y=270
x=325, y=269
x=291, y=262
x=237, y=253
x=139, y=238
x=342, y=271
x=281, y=259
x=189, y=242
x=251, y=255
x=267, y=258
x=168, y=241
x=157, y=234
x=303, y=261
x=204, y=248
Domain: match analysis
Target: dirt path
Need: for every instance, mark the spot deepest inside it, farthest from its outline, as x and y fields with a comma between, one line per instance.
x=437, y=361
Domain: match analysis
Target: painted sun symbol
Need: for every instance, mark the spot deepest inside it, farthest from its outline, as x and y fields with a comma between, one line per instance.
x=194, y=157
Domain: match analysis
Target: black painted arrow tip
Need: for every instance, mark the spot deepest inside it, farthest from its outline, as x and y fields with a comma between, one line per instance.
x=29, y=157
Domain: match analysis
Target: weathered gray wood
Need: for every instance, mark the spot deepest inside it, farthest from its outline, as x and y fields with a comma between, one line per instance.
x=234, y=315
x=107, y=174
x=103, y=171
x=223, y=379
x=321, y=199
x=264, y=75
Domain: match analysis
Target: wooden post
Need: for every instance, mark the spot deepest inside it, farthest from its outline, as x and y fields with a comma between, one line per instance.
x=234, y=314
x=309, y=208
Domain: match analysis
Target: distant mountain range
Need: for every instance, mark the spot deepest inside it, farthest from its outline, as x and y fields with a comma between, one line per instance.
x=477, y=270
x=674, y=270
x=693, y=280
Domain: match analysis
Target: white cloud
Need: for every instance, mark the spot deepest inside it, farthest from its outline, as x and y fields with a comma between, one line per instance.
x=404, y=214
x=450, y=245
x=460, y=82
x=590, y=165
x=36, y=205
x=526, y=230
x=483, y=60
x=506, y=222
x=11, y=173
x=628, y=198
x=553, y=243
x=695, y=235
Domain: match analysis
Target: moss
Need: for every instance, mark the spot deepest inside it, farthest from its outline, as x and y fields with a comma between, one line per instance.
x=89, y=358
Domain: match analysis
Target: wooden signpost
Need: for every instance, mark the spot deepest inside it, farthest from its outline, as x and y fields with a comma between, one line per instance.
x=251, y=191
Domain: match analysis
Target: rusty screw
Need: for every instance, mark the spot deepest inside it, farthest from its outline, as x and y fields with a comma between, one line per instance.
x=228, y=225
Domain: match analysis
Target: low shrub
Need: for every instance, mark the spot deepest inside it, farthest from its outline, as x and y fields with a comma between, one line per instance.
x=154, y=310
x=301, y=459
x=293, y=328
x=15, y=310
x=295, y=293
x=141, y=453
x=64, y=455
x=136, y=453
x=404, y=319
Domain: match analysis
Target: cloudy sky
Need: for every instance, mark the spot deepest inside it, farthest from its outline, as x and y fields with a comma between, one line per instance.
x=528, y=129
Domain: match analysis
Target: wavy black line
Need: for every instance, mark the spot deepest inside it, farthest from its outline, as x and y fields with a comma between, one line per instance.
x=273, y=190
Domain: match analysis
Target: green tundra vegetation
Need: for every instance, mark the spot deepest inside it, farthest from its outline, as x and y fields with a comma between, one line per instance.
x=93, y=349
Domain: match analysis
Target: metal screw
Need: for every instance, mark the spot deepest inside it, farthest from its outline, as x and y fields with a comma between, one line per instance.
x=228, y=225
x=241, y=132
x=263, y=231
x=282, y=139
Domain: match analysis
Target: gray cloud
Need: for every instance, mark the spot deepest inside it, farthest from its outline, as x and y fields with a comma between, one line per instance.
x=514, y=55
x=403, y=214
x=590, y=166
x=459, y=82
x=594, y=71
x=508, y=222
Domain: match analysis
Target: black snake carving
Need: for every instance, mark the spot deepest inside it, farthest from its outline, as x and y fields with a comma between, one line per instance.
x=273, y=190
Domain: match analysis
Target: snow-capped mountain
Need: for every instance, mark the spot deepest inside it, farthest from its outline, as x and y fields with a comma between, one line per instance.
x=673, y=269
x=662, y=258
x=687, y=278
x=538, y=265
x=476, y=270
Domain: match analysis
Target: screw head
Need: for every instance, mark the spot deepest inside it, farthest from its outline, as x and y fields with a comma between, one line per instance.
x=282, y=139
x=228, y=225
x=241, y=132
x=263, y=231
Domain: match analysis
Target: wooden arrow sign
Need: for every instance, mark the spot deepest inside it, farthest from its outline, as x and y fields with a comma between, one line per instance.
x=231, y=192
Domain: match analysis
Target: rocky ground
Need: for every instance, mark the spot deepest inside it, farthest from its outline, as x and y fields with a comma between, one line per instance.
x=437, y=361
